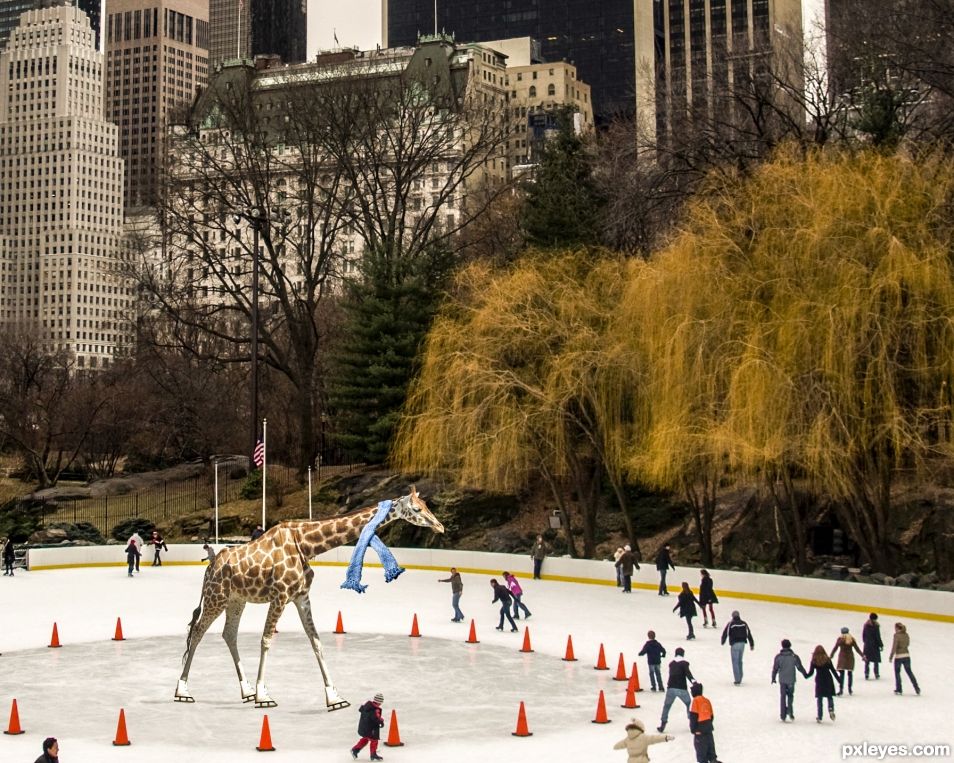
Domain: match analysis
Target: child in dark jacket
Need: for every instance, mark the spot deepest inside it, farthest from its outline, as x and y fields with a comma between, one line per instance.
x=654, y=652
x=132, y=554
x=700, y=724
x=369, y=726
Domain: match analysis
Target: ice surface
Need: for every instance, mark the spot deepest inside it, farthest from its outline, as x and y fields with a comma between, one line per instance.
x=455, y=702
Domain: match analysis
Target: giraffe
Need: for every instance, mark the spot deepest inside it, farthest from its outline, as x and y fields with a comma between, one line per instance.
x=274, y=569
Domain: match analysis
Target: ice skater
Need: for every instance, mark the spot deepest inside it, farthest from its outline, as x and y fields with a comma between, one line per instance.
x=457, y=589
x=687, y=607
x=619, y=573
x=825, y=678
x=700, y=724
x=538, y=553
x=369, y=726
x=51, y=751
x=707, y=598
x=8, y=557
x=784, y=667
x=502, y=595
x=663, y=565
x=637, y=741
x=158, y=544
x=677, y=686
x=132, y=556
x=737, y=633
x=625, y=564
x=872, y=645
x=137, y=539
x=901, y=656
x=654, y=652
x=209, y=553
x=846, y=659
x=513, y=585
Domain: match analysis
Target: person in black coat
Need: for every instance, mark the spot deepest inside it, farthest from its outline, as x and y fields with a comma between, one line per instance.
x=687, y=607
x=51, y=751
x=663, y=565
x=8, y=557
x=158, y=545
x=369, y=726
x=654, y=652
x=871, y=640
x=502, y=595
x=825, y=678
x=132, y=555
x=707, y=598
x=625, y=564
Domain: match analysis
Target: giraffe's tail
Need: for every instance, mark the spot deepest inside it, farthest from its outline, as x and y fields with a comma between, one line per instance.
x=197, y=612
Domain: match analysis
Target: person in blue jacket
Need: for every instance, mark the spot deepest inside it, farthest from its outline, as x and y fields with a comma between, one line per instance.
x=654, y=652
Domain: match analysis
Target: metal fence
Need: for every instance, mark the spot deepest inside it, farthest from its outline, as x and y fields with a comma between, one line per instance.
x=171, y=500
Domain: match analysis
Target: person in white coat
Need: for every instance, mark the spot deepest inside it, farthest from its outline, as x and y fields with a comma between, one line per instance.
x=637, y=741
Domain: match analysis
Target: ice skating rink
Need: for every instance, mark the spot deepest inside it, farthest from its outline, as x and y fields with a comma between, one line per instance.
x=455, y=702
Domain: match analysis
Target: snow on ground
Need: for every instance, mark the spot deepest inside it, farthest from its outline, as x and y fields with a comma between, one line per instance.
x=454, y=701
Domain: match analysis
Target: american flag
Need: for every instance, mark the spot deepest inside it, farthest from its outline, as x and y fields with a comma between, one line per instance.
x=259, y=455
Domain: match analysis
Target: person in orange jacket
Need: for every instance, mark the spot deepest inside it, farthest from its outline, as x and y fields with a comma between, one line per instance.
x=700, y=724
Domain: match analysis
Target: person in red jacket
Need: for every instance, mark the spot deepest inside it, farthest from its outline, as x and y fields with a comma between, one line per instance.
x=700, y=724
x=369, y=726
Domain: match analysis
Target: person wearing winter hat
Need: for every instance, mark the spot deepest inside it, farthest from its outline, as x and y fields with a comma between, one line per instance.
x=369, y=726
x=619, y=573
x=132, y=556
x=677, y=686
x=51, y=751
x=637, y=741
x=784, y=667
x=700, y=724
x=625, y=565
x=872, y=645
x=513, y=585
x=846, y=659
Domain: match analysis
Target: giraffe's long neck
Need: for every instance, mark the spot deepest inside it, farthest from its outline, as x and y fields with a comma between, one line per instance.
x=325, y=534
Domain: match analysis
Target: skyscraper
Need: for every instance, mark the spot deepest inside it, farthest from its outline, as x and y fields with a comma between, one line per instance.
x=11, y=10
x=598, y=37
x=157, y=55
x=243, y=29
x=61, y=205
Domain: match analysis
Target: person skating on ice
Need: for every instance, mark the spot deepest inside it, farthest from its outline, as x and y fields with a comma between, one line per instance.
x=784, y=669
x=901, y=657
x=369, y=726
x=8, y=557
x=654, y=652
x=637, y=741
x=158, y=544
x=502, y=595
x=707, y=598
x=619, y=573
x=825, y=679
x=677, y=686
x=513, y=585
x=701, y=720
x=625, y=564
x=132, y=556
x=686, y=605
x=663, y=565
x=51, y=751
x=846, y=659
x=737, y=633
x=872, y=645
x=457, y=589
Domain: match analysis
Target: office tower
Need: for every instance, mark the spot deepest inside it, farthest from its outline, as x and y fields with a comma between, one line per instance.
x=157, y=57
x=598, y=38
x=11, y=10
x=60, y=190
x=243, y=29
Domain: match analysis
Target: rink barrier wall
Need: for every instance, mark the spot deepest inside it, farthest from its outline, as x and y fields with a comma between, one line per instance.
x=782, y=589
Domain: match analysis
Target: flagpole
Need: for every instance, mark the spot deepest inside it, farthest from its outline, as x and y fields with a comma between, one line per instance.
x=238, y=37
x=309, y=494
x=216, y=502
x=264, y=465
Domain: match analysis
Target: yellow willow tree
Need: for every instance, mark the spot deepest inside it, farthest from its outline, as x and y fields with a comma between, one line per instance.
x=518, y=383
x=820, y=327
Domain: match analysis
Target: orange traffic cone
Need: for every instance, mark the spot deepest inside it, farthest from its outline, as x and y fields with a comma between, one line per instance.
x=122, y=739
x=472, y=638
x=601, y=662
x=394, y=734
x=635, y=678
x=631, y=703
x=570, y=657
x=621, y=670
x=55, y=640
x=526, y=640
x=119, y=631
x=14, y=727
x=339, y=628
x=601, y=710
x=522, y=729
x=265, y=744
x=415, y=633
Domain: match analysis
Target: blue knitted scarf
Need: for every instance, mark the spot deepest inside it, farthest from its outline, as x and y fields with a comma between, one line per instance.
x=368, y=538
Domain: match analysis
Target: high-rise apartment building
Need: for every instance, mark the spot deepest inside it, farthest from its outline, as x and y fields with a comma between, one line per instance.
x=157, y=56
x=598, y=38
x=243, y=29
x=11, y=10
x=61, y=208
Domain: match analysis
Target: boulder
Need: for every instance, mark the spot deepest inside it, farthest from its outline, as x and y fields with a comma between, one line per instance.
x=908, y=579
x=48, y=536
x=878, y=577
x=929, y=579
x=888, y=580
x=948, y=586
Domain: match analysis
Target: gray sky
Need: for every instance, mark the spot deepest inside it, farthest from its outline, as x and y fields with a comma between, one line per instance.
x=358, y=24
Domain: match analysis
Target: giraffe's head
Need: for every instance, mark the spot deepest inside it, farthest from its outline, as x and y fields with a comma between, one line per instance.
x=412, y=508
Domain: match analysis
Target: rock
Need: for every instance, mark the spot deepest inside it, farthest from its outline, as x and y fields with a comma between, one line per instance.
x=948, y=586
x=837, y=572
x=48, y=536
x=908, y=579
x=861, y=579
x=888, y=580
x=929, y=579
x=878, y=577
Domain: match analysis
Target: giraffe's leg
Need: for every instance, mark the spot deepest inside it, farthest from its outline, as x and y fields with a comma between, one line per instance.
x=233, y=615
x=333, y=700
x=196, y=632
x=275, y=610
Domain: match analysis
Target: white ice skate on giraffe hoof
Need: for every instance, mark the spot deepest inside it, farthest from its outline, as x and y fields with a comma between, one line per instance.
x=262, y=699
x=333, y=700
x=182, y=692
x=248, y=693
